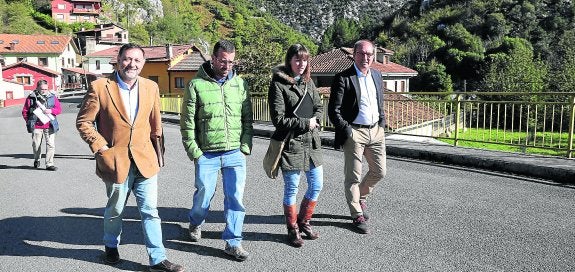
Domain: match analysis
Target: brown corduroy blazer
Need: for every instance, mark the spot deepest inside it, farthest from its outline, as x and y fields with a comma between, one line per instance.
x=103, y=120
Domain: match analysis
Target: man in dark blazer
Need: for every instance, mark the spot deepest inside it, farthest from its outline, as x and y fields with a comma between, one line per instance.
x=356, y=110
x=119, y=117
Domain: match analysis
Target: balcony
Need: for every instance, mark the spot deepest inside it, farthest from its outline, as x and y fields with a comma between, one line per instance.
x=85, y=11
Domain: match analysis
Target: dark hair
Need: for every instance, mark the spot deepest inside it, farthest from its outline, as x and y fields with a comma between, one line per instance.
x=360, y=42
x=301, y=52
x=128, y=46
x=224, y=45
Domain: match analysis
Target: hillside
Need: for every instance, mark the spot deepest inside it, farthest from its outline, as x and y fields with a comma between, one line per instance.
x=314, y=17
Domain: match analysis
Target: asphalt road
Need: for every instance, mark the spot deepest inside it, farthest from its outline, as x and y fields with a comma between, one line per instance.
x=424, y=216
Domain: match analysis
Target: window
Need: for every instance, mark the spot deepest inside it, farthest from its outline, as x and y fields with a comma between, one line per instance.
x=73, y=18
x=385, y=85
x=154, y=78
x=26, y=80
x=97, y=65
x=402, y=84
x=63, y=62
x=43, y=61
x=61, y=6
x=179, y=82
x=60, y=17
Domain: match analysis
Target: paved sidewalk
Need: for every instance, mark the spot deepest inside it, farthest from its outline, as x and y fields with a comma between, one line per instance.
x=556, y=169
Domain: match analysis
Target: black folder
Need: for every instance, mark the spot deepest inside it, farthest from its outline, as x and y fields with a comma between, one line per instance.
x=304, y=108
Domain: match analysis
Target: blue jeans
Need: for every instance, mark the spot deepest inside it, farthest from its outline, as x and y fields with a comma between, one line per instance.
x=146, y=193
x=233, y=167
x=291, y=182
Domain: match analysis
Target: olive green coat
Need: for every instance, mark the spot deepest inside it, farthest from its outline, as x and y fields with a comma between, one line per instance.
x=283, y=97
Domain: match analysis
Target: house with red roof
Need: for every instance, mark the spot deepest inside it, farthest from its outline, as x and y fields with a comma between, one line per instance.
x=325, y=66
x=50, y=51
x=45, y=53
x=76, y=11
x=160, y=65
x=11, y=92
x=28, y=74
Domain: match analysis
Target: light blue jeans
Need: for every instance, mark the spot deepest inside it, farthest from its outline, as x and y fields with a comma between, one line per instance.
x=291, y=182
x=146, y=193
x=233, y=167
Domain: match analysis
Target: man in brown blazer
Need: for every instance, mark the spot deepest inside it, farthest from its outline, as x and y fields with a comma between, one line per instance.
x=119, y=118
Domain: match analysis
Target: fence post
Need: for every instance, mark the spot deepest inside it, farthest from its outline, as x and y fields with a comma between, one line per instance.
x=571, y=125
x=457, y=117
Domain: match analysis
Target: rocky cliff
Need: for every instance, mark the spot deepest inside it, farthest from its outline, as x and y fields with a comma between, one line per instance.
x=314, y=16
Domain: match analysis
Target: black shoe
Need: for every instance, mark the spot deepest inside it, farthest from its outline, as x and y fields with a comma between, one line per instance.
x=51, y=168
x=112, y=255
x=36, y=164
x=166, y=265
x=363, y=205
x=360, y=225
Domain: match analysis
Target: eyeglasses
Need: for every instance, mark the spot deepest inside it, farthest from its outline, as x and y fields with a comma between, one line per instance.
x=362, y=54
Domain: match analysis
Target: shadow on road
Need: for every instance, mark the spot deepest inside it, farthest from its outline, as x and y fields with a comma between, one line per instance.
x=60, y=237
x=61, y=156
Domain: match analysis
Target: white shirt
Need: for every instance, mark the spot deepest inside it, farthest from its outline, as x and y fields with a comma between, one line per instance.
x=129, y=97
x=368, y=112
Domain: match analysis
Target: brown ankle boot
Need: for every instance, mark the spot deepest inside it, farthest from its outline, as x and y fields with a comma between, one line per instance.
x=305, y=213
x=294, y=237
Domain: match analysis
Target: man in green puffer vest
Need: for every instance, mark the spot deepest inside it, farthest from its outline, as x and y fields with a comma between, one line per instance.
x=217, y=128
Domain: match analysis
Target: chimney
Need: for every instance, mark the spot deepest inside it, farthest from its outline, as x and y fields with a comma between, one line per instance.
x=169, y=51
x=12, y=45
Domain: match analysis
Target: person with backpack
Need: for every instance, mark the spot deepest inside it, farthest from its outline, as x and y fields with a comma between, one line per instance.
x=39, y=112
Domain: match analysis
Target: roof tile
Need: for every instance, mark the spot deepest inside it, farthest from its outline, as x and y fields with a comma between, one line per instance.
x=47, y=44
x=339, y=59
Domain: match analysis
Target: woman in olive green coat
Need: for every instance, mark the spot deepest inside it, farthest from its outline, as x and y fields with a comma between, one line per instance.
x=296, y=109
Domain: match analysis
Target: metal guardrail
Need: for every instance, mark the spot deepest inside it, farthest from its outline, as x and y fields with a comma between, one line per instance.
x=72, y=93
x=541, y=123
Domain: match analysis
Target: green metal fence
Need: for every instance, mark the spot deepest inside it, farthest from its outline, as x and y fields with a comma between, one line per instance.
x=541, y=123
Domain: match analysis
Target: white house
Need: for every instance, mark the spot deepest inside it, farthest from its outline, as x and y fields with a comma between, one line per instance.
x=50, y=51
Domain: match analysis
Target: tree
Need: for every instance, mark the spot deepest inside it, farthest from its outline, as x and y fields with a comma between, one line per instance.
x=343, y=32
x=513, y=68
x=431, y=78
x=563, y=75
x=17, y=19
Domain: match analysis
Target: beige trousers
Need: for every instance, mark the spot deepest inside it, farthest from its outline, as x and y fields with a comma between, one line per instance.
x=50, y=139
x=368, y=143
